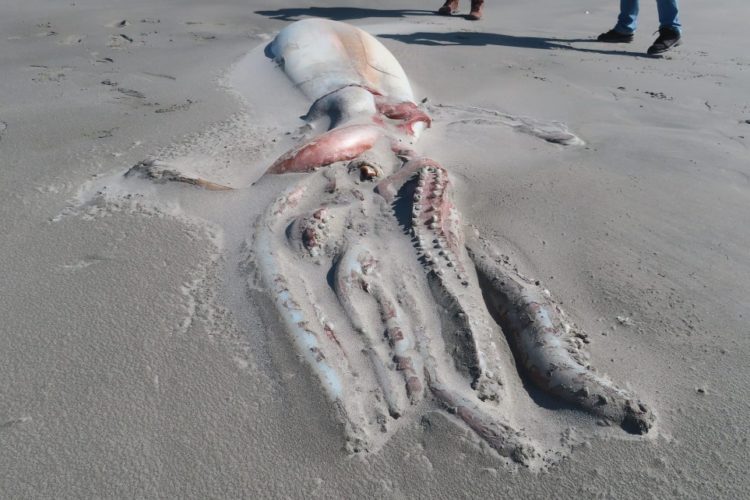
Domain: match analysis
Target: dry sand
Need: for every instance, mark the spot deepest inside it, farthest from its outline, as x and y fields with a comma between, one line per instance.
x=135, y=361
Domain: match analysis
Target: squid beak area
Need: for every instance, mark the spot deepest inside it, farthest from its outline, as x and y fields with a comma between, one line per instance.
x=368, y=171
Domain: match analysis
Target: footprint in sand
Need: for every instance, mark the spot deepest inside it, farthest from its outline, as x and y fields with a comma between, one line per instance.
x=160, y=75
x=118, y=24
x=120, y=41
x=71, y=39
x=203, y=37
x=176, y=107
x=48, y=74
x=131, y=93
x=13, y=423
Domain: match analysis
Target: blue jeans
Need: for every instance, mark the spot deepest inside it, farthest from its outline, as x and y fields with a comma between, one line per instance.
x=668, y=15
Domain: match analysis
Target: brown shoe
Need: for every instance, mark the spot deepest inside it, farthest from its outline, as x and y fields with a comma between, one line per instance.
x=476, y=10
x=448, y=8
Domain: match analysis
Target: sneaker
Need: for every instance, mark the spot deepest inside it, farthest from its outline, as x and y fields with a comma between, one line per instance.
x=448, y=8
x=668, y=38
x=613, y=36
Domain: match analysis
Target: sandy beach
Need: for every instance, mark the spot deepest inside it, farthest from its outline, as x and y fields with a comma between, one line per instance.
x=142, y=357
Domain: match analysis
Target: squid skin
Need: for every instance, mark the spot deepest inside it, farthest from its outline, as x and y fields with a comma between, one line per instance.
x=343, y=105
x=321, y=56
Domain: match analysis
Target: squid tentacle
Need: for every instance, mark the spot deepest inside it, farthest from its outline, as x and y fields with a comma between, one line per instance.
x=314, y=336
x=402, y=342
x=159, y=172
x=436, y=228
x=540, y=336
x=492, y=428
x=350, y=280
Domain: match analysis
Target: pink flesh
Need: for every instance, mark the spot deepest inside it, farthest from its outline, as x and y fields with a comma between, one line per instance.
x=406, y=111
x=341, y=144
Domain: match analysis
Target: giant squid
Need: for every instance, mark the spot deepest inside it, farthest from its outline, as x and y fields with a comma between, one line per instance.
x=395, y=304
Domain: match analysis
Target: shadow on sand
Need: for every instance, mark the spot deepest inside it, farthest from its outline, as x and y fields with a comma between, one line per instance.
x=437, y=39
x=481, y=39
x=341, y=13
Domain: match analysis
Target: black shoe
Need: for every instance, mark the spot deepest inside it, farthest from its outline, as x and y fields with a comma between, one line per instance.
x=668, y=38
x=613, y=36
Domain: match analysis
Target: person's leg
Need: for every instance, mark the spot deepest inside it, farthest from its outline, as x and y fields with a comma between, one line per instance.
x=668, y=14
x=669, y=28
x=626, y=21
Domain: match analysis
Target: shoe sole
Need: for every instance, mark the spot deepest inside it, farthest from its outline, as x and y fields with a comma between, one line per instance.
x=627, y=40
